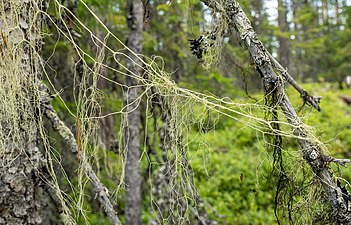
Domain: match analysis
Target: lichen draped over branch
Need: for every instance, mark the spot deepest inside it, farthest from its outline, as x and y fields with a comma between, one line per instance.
x=179, y=104
x=313, y=151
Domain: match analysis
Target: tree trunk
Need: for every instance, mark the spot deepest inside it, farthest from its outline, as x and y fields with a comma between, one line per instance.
x=132, y=130
x=325, y=10
x=284, y=28
x=258, y=18
x=20, y=158
x=337, y=16
x=297, y=57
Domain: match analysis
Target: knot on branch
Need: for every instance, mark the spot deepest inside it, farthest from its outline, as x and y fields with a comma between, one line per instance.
x=313, y=156
x=314, y=101
x=102, y=191
x=318, y=160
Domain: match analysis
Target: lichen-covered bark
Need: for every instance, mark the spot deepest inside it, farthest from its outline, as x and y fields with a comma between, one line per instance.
x=131, y=133
x=311, y=149
x=18, y=203
x=20, y=158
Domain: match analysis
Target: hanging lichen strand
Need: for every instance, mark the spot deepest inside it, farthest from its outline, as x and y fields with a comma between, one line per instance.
x=296, y=190
x=181, y=103
x=180, y=113
x=22, y=92
x=208, y=46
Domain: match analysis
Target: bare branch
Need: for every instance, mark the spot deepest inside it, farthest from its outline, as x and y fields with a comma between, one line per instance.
x=341, y=162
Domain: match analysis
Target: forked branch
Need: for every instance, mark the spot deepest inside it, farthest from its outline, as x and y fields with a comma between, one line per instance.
x=312, y=100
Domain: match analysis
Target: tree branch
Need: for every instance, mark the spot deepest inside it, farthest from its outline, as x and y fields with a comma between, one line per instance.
x=341, y=162
x=312, y=100
x=67, y=135
x=273, y=85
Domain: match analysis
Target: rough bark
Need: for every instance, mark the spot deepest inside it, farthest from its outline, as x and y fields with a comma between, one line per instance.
x=311, y=150
x=20, y=158
x=132, y=119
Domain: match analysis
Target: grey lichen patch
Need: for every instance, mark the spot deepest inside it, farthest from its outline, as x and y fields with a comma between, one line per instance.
x=12, y=170
x=23, y=24
x=16, y=36
x=25, y=56
x=33, y=36
x=20, y=210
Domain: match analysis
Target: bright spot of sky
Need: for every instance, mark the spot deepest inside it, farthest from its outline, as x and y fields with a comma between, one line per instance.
x=271, y=6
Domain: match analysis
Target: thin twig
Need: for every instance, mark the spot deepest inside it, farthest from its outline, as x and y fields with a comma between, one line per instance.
x=312, y=100
x=341, y=162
